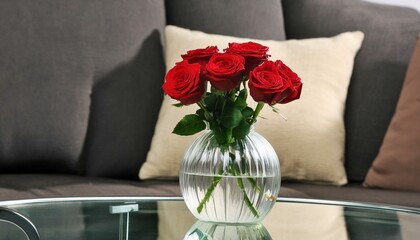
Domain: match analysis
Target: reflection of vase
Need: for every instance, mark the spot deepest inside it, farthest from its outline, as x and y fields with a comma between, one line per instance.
x=212, y=231
x=236, y=184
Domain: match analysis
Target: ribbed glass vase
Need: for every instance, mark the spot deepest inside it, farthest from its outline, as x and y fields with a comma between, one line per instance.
x=238, y=183
x=206, y=230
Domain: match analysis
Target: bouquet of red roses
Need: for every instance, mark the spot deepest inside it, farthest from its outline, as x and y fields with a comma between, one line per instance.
x=230, y=74
x=219, y=83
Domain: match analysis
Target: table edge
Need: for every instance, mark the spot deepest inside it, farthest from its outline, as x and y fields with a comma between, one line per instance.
x=365, y=205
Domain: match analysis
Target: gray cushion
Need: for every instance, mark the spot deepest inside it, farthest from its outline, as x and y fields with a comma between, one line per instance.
x=24, y=186
x=240, y=18
x=390, y=35
x=355, y=192
x=55, y=57
x=28, y=186
x=45, y=81
x=127, y=91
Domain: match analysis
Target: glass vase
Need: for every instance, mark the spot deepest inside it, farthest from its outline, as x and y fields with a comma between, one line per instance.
x=206, y=230
x=238, y=183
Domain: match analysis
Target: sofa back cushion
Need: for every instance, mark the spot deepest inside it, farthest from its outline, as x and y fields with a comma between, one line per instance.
x=127, y=93
x=75, y=77
x=397, y=165
x=390, y=34
x=45, y=82
x=239, y=18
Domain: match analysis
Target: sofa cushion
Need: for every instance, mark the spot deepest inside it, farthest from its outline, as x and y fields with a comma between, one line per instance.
x=310, y=144
x=355, y=192
x=397, y=165
x=28, y=186
x=379, y=67
x=45, y=81
x=54, y=56
x=127, y=74
x=240, y=18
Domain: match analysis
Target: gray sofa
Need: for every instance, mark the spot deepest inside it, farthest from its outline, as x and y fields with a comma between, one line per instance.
x=80, y=87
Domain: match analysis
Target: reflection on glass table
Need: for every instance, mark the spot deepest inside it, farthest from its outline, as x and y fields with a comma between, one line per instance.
x=169, y=219
x=208, y=231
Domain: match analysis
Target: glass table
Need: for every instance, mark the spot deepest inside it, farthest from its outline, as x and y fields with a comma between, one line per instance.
x=168, y=218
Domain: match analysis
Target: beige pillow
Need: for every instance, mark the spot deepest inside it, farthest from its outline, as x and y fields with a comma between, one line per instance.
x=310, y=144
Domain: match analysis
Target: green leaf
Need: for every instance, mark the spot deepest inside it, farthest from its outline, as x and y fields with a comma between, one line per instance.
x=212, y=101
x=224, y=110
x=241, y=131
x=178, y=105
x=230, y=116
x=222, y=135
x=247, y=112
x=241, y=99
x=200, y=113
x=189, y=125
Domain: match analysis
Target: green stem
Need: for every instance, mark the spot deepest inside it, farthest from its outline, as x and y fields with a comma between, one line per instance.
x=257, y=188
x=254, y=184
x=244, y=84
x=210, y=190
x=236, y=172
x=207, y=113
x=202, y=106
x=257, y=111
x=233, y=95
x=246, y=198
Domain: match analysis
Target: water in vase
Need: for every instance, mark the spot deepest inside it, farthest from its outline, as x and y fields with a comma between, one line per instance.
x=233, y=199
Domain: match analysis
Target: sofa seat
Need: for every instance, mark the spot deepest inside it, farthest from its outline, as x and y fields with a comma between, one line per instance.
x=355, y=192
x=28, y=186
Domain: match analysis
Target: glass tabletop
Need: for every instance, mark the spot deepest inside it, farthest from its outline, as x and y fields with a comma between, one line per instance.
x=168, y=218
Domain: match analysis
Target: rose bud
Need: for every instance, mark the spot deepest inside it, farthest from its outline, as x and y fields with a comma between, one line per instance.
x=267, y=85
x=183, y=83
x=200, y=55
x=224, y=71
x=293, y=78
x=254, y=53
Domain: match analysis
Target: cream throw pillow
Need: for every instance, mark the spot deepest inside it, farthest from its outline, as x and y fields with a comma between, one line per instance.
x=310, y=144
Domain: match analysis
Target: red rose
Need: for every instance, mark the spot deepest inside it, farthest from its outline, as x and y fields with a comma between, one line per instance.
x=254, y=53
x=267, y=85
x=224, y=71
x=183, y=83
x=200, y=55
x=293, y=78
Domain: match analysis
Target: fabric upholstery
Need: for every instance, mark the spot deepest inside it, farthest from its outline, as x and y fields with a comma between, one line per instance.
x=27, y=186
x=379, y=67
x=357, y=193
x=45, y=81
x=126, y=92
x=251, y=19
x=397, y=165
x=55, y=53
x=310, y=144
x=74, y=72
